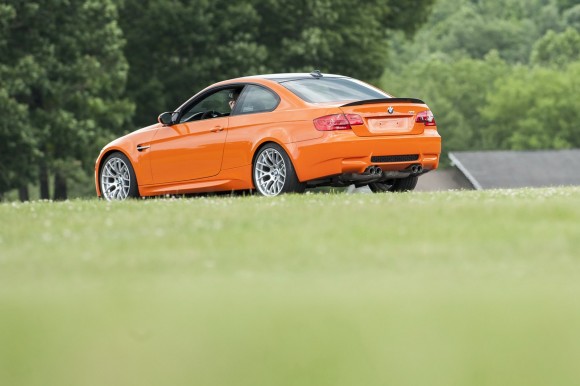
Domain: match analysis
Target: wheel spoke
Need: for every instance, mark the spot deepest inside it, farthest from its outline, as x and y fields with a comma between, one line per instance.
x=269, y=186
x=108, y=171
x=115, y=167
x=271, y=159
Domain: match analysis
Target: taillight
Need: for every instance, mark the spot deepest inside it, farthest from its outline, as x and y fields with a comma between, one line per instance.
x=337, y=122
x=354, y=119
x=426, y=117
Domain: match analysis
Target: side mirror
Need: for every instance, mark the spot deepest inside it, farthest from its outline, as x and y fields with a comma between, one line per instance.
x=166, y=118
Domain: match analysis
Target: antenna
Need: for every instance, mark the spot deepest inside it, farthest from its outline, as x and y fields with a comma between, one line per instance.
x=316, y=74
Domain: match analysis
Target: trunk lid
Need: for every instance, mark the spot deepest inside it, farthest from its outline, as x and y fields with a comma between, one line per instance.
x=389, y=116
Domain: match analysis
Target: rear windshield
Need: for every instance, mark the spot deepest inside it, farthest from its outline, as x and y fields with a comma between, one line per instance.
x=317, y=90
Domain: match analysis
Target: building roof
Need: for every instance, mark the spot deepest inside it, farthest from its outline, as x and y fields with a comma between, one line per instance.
x=517, y=169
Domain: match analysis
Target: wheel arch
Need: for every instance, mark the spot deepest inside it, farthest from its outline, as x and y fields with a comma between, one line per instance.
x=99, y=167
x=286, y=148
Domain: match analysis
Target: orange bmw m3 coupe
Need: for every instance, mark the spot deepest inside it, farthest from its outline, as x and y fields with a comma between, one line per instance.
x=275, y=134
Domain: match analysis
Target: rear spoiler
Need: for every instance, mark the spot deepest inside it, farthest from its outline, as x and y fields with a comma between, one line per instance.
x=385, y=100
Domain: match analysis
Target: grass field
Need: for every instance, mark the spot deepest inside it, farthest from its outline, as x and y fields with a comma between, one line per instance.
x=453, y=288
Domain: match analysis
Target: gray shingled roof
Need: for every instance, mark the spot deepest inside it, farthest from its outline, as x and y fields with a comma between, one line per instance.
x=517, y=169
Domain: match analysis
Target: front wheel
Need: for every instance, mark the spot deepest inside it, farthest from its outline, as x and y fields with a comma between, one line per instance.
x=117, y=178
x=273, y=172
x=399, y=185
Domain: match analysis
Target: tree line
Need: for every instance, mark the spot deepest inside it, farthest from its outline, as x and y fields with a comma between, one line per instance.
x=77, y=73
x=497, y=76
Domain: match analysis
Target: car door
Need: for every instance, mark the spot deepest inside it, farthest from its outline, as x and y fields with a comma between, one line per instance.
x=252, y=120
x=192, y=148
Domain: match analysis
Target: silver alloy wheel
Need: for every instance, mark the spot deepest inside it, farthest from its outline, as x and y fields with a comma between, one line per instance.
x=115, y=179
x=270, y=172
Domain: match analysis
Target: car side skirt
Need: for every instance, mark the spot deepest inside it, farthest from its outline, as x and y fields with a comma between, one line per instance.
x=227, y=180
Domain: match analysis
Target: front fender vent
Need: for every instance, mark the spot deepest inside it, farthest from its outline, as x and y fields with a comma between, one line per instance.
x=395, y=158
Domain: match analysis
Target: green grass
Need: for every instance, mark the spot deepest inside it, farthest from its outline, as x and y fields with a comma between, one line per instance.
x=454, y=288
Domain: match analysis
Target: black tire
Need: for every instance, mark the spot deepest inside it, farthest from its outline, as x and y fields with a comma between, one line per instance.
x=399, y=185
x=117, y=170
x=273, y=172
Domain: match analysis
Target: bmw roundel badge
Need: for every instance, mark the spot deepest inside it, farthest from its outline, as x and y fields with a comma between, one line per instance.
x=390, y=109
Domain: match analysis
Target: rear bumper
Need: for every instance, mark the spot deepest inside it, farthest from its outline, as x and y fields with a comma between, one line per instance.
x=344, y=152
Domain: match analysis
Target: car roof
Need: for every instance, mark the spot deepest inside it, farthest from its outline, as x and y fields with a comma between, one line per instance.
x=280, y=78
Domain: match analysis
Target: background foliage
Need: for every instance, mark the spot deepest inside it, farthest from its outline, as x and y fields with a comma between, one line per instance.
x=63, y=75
x=189, y=45
x=77, y=73
x=498, y=75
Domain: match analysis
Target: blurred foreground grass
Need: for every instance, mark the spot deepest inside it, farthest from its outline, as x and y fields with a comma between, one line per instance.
x=454, y=288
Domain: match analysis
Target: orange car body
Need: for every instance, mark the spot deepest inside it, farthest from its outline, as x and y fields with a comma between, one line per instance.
x=217, y=154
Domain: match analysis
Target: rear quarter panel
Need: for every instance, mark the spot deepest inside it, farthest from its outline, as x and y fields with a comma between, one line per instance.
x=246, y=133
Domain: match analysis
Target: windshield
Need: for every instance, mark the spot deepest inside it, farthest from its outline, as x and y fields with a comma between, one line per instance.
x=317, y=90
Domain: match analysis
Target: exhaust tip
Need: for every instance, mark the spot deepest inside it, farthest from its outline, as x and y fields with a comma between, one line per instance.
x=375, y=170
x=416, y=169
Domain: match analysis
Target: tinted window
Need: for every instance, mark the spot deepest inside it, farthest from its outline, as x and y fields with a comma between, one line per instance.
x=332, y=90
x=217, y=102
x=256, y=99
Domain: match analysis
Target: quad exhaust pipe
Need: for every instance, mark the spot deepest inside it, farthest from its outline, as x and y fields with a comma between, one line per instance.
x=374, y=171
x=416, y=169
x=377, y=171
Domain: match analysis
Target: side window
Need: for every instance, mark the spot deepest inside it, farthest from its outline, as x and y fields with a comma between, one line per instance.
x=257, y=99
x=213, y=106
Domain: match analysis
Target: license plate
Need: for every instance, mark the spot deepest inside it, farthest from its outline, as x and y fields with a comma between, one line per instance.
x=389, y=125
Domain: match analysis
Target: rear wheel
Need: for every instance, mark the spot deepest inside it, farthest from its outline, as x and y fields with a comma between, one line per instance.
x=273, y=172
x=117, y=178
x=399, y=185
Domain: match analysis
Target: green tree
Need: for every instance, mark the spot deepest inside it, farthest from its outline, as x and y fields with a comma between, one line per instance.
x=572, y=17
x=495, y=76
x=460, y=28
x=566, y=4
x=533, y=109
x=176, y=48
x=340, y=36
x=557, y=49
x=16, y=140
x=66, y=58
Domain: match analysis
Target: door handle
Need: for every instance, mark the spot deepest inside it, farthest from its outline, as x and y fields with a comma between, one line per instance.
x=217, y=129
x=143, y=147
